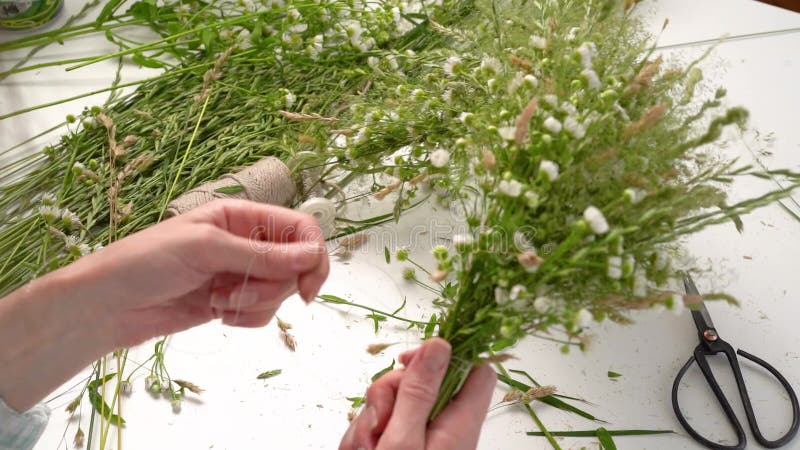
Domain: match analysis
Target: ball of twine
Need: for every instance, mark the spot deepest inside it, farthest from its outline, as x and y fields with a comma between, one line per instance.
x=267, y=181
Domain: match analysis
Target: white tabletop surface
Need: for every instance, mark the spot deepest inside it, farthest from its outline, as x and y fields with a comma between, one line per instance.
x=305, y=407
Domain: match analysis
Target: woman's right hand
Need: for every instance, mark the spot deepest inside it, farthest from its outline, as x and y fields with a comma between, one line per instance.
x=395, y=415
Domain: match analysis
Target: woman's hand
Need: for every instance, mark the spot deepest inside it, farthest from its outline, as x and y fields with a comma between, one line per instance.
x=395, y=415
x=235, y=260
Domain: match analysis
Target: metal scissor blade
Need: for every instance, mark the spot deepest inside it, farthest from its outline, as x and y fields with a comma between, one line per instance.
x=702, y=319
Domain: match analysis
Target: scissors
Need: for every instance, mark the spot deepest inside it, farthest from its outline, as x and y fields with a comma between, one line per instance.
x=712, y=344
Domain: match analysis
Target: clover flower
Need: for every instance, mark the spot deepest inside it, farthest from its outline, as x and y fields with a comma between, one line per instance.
x=511, y=188
x=552, y=124
x=440, y=158
x=591, y=78
x=574, y=127
x=596, y=220
x=549, y=169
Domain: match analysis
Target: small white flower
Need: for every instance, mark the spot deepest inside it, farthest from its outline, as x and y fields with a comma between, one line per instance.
x=84, y=249
x=49, y=213
x=466, y=117
x=569, y=108
x=543, y=304
x=574, y=127
x=298, y=28
x=591, y=78
x=517, y=291
x=549, y=168
x=48, y=199
x=587, y=50
x=293, y=13
x=639, y=283
x=572, y=33
x=515, y=82
x=538, y=42
x=451, y=65
x=462, y=240
x=634, y=195
x=176, y=405
x=511, y=188
x=72, y=241
x=596, y=220
x=552, y=124
x=126, y=388
x=491, y=84
x=440, y=158
x=447, y=96
x=615, y=267
x=583, y=318
x=530, y=80
x=491, y=64
x=249, y=6
x=288, y=98
x=507, y=133
x=97, y=247
x=551, y=99
x=500, y=296
x=392, y=60
x=372, y=62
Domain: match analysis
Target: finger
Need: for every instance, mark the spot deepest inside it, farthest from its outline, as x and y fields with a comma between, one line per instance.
x=459, y=425
x=416, y=395
x=252, y=295
x=311, y=282
x=407, y=356
x=377, y=410
x=247, y=319
x=219, y=251
x=251, y=219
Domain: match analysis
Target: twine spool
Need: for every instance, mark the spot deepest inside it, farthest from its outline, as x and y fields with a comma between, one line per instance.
x=323, y=210
x=267, y=181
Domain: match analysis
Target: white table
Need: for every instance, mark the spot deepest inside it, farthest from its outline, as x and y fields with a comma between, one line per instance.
x=305, y=407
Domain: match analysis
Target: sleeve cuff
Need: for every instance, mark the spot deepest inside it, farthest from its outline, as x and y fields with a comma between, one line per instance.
x=21, y=431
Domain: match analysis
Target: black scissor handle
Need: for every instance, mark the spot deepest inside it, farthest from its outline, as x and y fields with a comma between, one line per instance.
x=792, y=432
x=721, y=346
x=699, y=356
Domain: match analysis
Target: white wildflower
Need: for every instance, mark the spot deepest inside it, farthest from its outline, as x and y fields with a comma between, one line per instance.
x=298, y=28
x=511, y=188
x=84, y=249
x=49, y=213
x=288, y=98
x=249, y=6
x=48, y=199
x=538, y=42
x=543, y=304
x=551, y=99
x=507, y=133
x=530, y=80
x=392, y=60
x=492, y=65
x=447, y=96
x=517, y=291
x=572, y=33
x=466, y=117
x=491, y=84
x=615, y=267
x=549, y=169
x=587, y=51
x=583, y=318
x=591, y=78
x=72, y=241
x=569, y=108
x=596, y=220
x=176, y=405
x=574, y=127
x=552, y=124
x=440, y=158
x=293, y=13
x=372, y=62
x=451, y=65
x=243, y=39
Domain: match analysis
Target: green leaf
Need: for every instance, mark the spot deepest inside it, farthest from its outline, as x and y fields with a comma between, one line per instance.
x=383, y=371
x=143, y=10
x=431, y=326
x=207, y=38
x=269, y=374
x=387, y=255
x=333, y=299
x=235, y=189
x=99, y=404
x=605, y=439
x=355, y=401
x=612, y=374
x=593, y=433
x=551, y=400
x=376, y=318
x=144, y=61
x=501, y=344
x=107, y=11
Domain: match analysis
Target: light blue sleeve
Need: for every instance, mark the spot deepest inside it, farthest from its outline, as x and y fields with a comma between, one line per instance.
x=21, y=431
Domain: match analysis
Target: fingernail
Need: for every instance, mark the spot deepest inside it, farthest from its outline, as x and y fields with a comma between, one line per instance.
x=436, y=355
